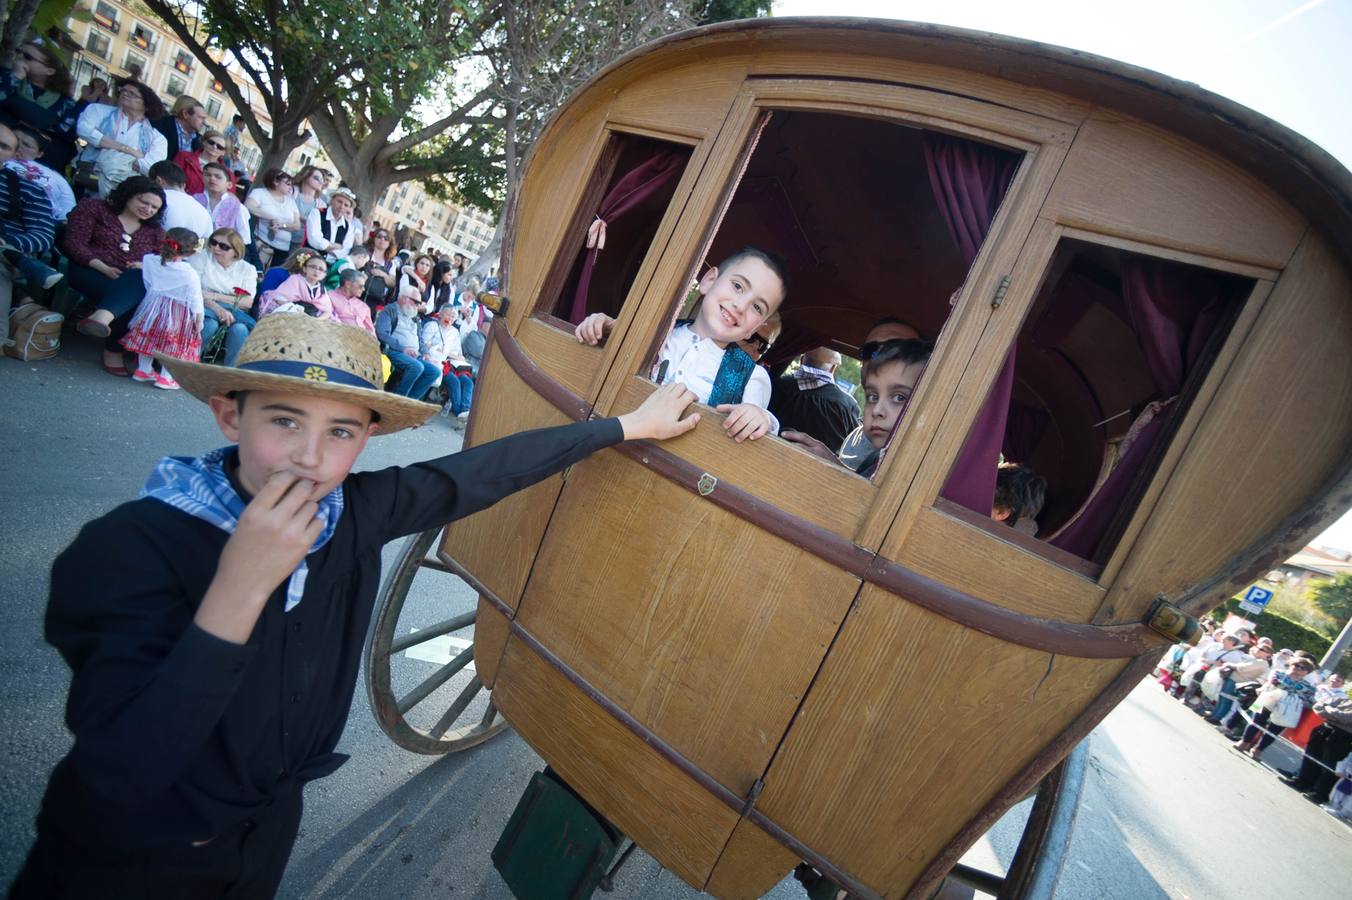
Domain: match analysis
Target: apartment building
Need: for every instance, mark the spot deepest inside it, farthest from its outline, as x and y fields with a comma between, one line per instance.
x=431, y=223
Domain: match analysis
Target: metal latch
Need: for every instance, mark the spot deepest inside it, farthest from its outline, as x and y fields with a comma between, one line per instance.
x=1000, y=291
x=1170, y=621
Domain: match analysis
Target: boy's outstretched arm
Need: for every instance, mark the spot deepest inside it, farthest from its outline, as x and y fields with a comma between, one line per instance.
x=659, y=416
x=594, y=329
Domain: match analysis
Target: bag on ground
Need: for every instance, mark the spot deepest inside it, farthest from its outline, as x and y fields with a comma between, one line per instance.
x=34, y=332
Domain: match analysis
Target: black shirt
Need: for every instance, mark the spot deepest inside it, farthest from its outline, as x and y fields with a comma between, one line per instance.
x=181, y=735
x=825, y=412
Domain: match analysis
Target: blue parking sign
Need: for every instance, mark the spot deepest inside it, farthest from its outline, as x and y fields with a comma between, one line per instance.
x=1255, y=599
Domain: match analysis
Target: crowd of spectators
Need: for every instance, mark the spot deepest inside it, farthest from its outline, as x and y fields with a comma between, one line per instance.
x=1253, y=692
x=151, y=222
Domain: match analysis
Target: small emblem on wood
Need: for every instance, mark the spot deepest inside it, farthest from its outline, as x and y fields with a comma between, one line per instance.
x=706, y=484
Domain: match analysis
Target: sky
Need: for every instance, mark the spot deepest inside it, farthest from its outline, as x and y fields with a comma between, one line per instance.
x=1290, y=60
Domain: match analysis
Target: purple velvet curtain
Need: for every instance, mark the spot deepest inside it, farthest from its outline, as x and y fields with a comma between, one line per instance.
x=1174, y=310
x=969, y=181
x=638, y=184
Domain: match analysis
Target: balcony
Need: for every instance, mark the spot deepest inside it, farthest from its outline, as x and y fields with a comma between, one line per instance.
x=183, y=64
x=109, y=22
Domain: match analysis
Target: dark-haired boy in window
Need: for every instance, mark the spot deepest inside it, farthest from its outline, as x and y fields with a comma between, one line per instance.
x=890, y=376
x=1019, y=495
x=736, y=297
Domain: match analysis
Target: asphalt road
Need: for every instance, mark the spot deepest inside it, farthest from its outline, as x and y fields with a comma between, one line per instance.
x=1168, y=810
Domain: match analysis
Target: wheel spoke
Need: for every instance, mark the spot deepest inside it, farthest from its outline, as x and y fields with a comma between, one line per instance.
x=448, y=718
x=490, y=714
x=436, y=680
x=417, y=637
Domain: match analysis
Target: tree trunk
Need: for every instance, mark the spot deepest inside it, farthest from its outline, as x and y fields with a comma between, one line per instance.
x=16, y=26
x=277, y=150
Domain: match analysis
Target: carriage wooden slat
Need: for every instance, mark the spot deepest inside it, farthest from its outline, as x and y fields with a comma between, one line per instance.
x=802, y=664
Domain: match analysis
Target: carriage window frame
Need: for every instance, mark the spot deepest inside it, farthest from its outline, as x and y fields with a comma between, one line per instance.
x=1199, y=388
x=600, y=172
x=1042, y=142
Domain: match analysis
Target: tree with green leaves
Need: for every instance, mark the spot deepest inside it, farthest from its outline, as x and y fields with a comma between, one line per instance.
x=1334, y=598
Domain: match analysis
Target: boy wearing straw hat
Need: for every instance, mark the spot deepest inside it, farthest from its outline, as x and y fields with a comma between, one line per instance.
x=214, y=626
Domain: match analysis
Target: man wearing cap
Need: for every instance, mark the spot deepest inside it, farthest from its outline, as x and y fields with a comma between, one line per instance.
x=332, y=231
x=214, y=626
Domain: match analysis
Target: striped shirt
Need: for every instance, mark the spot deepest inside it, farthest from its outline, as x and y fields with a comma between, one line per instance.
x=30, y=233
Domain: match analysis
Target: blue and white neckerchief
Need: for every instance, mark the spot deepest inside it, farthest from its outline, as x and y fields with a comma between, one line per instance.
x=199, y=487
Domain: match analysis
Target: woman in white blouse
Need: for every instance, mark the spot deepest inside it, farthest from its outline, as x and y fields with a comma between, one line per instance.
x=228, y=287
x=122, y=142
x=277, y=214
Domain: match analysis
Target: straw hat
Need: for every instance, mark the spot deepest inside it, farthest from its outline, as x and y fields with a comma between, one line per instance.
x=303, y=355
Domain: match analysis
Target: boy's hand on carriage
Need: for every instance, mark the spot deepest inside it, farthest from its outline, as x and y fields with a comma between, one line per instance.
x=659, y=416
x=808, y=443
x=745, y=421
x=593, y=329
x=274, y=533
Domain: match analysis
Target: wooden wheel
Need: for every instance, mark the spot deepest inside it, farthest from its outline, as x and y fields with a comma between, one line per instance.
x=419, y=676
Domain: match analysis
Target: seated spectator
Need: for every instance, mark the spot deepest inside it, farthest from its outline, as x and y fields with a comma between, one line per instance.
x=890, y=375
x=29, y=159
x=19, y=216
x=736, y=298
x=276, y=213
x=332, y=231
x=309, y=184
x=180, y=210
x=122, y=141
x=220, y=202
x=418, y=274
x=397, y=330
x=228, y=285
x=193, y=162
x=474, y=341
x=384, y=257
x=180, y=126
x=304, y=288
x=96, y=91
x=1254, y=665
x=856, y=446
x=1275, y=712
x=36, y=93
x=440, y=289
x=439, y=342
x=808, y=400
x=347, y=300
x=1019, y=495
x=105, y=240
x=26, y=226
x=1327, y=745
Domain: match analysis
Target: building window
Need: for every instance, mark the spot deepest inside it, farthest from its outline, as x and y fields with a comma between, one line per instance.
x=142, y=37
x=97, y=44
x=213, y=108
x=175, y=86
x=105, y=14
x=183, y=62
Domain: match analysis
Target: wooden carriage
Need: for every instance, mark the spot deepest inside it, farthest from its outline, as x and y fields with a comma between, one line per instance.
x=744, y=656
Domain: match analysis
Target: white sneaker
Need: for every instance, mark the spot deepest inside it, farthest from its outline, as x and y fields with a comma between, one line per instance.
x=52, y=280
x=463, y=416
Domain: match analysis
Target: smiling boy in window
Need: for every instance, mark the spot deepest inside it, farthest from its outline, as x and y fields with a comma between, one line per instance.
x=736, y=297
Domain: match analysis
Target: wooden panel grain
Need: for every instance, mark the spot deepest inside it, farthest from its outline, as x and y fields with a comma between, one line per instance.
x=970, y=559
x=498, y=545
x=690, y=100
x=673, y=818
x=698, y=624
x=1277, y=428
x=490, y=639
x=938, y=719
x=751, y=864
x=1136, y=181
x=780, y=473
x=575, y=366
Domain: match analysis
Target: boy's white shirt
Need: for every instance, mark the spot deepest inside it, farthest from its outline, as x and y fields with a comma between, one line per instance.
x=694, y=361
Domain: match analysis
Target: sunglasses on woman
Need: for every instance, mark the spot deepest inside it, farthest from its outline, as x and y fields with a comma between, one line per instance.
x=220, y=245
x=215, y=145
